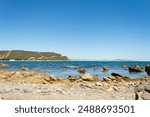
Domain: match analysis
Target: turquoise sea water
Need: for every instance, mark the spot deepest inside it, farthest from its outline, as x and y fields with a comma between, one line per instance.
x=56, y=67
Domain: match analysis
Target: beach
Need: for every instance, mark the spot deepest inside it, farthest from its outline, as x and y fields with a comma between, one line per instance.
x=36, y=85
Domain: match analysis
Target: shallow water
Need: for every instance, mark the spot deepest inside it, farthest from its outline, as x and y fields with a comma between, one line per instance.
x=56, y=67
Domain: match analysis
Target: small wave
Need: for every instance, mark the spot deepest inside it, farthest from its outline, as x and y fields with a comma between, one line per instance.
x=76, y=67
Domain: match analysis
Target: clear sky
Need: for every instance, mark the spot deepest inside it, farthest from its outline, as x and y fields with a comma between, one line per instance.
x=79, y=29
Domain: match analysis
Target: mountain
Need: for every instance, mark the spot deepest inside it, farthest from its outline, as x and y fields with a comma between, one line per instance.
x=30, y=55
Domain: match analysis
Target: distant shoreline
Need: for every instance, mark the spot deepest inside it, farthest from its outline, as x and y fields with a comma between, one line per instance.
x=24, y=55
x=77, y=60
x=33, y=60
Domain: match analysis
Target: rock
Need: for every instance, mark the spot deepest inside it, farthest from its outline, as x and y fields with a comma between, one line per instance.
x=64, y=69
x=3, y=65
x=142, y=91
x=116, y=75
x=59, y=91
x=24, y=68
x=147, y=69
x=61, y=79
x=87, y=85
x=47, y=79
x=147, y=88
x=105, y=69
x=72, y=78
x=145, y=96
x=110, y=89
x=112, y=78
x=139, y=88
x=95, y=78
x=136, y=68
x=138, y=95
x=115, y=88
x=125, y=67
x=87, y=77
x=95, y=68
x=81, y=70
x=53, y=78
x=106, y=78
x=98, y=84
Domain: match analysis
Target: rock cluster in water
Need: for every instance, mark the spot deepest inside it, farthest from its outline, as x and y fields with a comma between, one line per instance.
x=27, y=84
x=81, y=70
x=105, y=69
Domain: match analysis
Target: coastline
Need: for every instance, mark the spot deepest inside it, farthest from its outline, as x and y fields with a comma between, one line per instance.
x=33, y=85
x=33, y=60
x=65, y=68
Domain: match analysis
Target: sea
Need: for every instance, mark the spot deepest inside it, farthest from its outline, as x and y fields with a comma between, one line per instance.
x=66, y=68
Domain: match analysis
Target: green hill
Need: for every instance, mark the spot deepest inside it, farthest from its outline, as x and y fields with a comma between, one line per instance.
x=30, y=55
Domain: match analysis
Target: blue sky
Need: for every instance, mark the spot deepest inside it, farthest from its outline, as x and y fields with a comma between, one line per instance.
x=80, y=29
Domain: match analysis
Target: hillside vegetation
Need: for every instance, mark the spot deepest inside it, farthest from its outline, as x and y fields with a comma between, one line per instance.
x=30, y=55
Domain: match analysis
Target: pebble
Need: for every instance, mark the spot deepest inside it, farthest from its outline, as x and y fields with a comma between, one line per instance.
x=98, y=84
x=116, y=88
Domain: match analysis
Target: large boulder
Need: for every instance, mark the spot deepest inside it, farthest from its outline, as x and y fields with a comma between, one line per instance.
x=95, y=78
x=115, y=77
x=86, y=77
x=106, y=78
x=105, y=69
x=142, y=92
x=81, y=70
x=118, y=77
x=136, y=68
x=147, y=69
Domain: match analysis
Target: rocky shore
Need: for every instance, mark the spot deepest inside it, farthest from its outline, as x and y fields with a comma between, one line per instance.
x=35, y=85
